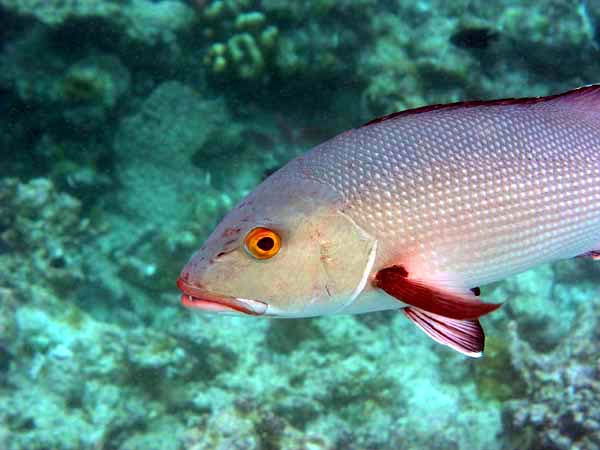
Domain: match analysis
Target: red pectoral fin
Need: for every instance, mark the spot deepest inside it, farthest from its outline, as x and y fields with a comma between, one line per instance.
x=594, y=254
x=396, y=282
x=464, y=336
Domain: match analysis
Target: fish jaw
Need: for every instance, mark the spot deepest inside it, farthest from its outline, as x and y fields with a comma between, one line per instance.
x=197, y=298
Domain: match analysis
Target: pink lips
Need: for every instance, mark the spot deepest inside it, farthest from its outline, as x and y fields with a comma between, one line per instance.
x=193, y=297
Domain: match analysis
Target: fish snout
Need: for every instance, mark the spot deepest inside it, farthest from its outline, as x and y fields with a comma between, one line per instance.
x=195, y=296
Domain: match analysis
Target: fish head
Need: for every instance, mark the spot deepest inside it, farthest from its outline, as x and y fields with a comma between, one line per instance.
x=287, y=250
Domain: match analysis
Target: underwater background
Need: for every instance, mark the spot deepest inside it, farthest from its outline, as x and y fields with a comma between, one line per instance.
x=128, y=128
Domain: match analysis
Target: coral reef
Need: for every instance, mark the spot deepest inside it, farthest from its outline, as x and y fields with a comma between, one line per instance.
x=243, y=40
x=129, y=127
x=272, y=40
x=560, y=406
x=424, y=64
x=142, y=20
x=28, y=211
x=155, y=147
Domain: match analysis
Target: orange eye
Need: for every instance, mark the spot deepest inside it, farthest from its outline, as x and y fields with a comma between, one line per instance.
x=262, y=243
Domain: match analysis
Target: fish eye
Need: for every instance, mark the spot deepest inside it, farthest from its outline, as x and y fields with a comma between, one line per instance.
x=262, y=243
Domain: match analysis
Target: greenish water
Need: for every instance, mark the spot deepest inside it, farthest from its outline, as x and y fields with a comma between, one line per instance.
x=129, y=128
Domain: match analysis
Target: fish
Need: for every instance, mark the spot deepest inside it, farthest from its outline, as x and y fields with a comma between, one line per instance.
x=477, y=38
x=413, y=211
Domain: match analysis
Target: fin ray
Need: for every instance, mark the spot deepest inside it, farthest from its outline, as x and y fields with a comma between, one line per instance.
x=464, y=336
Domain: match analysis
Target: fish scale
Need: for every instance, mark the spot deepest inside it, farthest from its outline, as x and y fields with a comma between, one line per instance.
x=478, y=192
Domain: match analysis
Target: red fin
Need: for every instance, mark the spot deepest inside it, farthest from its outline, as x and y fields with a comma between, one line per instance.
x=464, y=336
x=460, y=306
x=594, y=254
x=584, y=98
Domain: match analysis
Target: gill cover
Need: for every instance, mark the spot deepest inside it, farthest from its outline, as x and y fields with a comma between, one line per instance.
x=339, y=260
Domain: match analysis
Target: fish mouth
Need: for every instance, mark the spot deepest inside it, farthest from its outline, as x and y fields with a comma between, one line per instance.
x=197, y=298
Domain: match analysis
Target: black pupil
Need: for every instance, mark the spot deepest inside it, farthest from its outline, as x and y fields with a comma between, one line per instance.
x=265, y=244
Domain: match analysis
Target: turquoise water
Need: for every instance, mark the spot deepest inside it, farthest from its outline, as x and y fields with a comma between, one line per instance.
x=129, y=128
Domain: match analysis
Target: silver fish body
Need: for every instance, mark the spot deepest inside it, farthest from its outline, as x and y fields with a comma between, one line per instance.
x=412, y=211
x=470, y=195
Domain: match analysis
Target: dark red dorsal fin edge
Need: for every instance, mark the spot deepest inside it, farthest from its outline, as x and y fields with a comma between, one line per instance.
x=581, y=93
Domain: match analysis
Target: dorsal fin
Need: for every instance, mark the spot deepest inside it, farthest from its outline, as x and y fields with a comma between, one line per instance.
x=584, y=98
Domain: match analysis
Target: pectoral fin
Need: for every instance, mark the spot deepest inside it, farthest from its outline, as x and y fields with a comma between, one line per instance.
x=464, y=336
x=594, y=254
x=444, y=302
